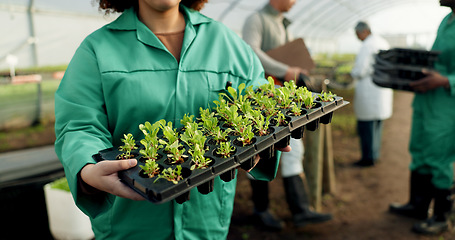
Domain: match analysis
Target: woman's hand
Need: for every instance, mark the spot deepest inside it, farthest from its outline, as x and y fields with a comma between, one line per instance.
x=103, y=176
x=431, y=81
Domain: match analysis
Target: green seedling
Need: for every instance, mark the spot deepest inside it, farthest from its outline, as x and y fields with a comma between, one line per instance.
x=128, y=145
x=172, y=175
x=151, y=168
x=327, y=96
x=225, y=149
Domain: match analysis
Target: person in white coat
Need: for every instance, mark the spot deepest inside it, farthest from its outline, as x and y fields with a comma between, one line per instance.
x=372, y=104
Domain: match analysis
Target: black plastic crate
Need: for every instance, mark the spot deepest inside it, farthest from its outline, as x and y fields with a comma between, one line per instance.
x=414, y=57
x=384, y=80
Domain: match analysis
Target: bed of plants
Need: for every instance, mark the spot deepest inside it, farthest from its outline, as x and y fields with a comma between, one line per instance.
x=240, y=126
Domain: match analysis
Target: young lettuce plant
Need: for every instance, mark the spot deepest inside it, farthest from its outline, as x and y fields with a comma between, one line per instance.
x=199, y=160
x=283, y=97
x=176, y=155
x=246, y=136
x=128, y=145
x=221, y=135
x=296, y=109
x=208, y=121
x=150, y=141
x=291, y=86
x=268, y=89
x=309, y=100
x=172, y=175
x=225, y=149
x=151, y=168
x=186, y=119
x=236, y=97
x=280, y=119
x=170, y=134
x=260, y=123
x=327, y=96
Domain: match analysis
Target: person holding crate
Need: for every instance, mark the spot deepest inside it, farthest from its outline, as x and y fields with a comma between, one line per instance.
x=432, y=144
x=159, y=59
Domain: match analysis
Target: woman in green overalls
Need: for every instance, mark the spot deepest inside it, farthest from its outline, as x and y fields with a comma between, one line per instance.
x=158, y=60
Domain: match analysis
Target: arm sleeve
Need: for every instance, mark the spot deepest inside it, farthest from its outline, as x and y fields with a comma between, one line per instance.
x=252, y=34
x=81, y=125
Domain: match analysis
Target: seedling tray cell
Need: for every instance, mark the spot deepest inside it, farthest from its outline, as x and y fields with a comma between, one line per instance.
x=159, y=190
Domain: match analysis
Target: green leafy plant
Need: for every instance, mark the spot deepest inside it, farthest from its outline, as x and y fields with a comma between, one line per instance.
x=150, y=142
x=198, y=158
x=280, y=119
x=260, y=123
x=128, y=145
x=268, y=89
x=303, y=95
x=296, y=109
x=208, y=121
x=236, y=97
x=176, y=154
x=225, y=149
x=220, y=135
x=186, y=119
x=192, y=136
x=169, y=133
x=291, y=86
x=309, y=101
x=283, y=97
x=172, y=175
x=151, y=168
x=326, y=96
x=246, y=136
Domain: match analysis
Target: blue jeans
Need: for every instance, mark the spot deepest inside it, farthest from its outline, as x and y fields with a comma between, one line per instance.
x=370, y=133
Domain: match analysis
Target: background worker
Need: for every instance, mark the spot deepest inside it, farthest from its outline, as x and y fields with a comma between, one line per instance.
x=372, y=104
x=265, y=30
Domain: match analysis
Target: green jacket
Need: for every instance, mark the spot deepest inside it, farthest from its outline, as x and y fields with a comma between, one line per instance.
x=432, y=146
x=120, y=77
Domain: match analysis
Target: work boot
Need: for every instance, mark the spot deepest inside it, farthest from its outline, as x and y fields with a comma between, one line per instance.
x=419, y=198
x=299, y=205
x=439, y=222
x=260, y=197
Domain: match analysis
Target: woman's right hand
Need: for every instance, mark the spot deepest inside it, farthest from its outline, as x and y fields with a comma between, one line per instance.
x=103, y=176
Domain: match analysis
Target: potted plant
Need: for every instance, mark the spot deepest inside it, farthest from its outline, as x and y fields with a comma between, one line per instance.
x=66, y=220
x=151, y=168
x=225, y=149
x=128, y=145
x=171, y=175
x=326, y=96
x=150, y=142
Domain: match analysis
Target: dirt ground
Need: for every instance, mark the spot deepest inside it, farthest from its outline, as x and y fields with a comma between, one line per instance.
x=360, y=204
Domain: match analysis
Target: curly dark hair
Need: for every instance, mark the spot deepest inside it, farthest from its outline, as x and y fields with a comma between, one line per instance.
x=111, y=6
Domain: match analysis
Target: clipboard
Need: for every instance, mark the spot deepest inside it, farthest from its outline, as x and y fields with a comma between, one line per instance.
x=294, y=53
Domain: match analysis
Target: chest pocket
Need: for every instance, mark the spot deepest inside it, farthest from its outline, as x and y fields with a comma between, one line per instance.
x=219, y=83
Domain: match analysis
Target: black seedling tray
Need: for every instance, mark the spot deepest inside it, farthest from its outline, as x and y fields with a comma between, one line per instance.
x=399, y=71
x=384, y=80
x=412, y=57
x=162, y=190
